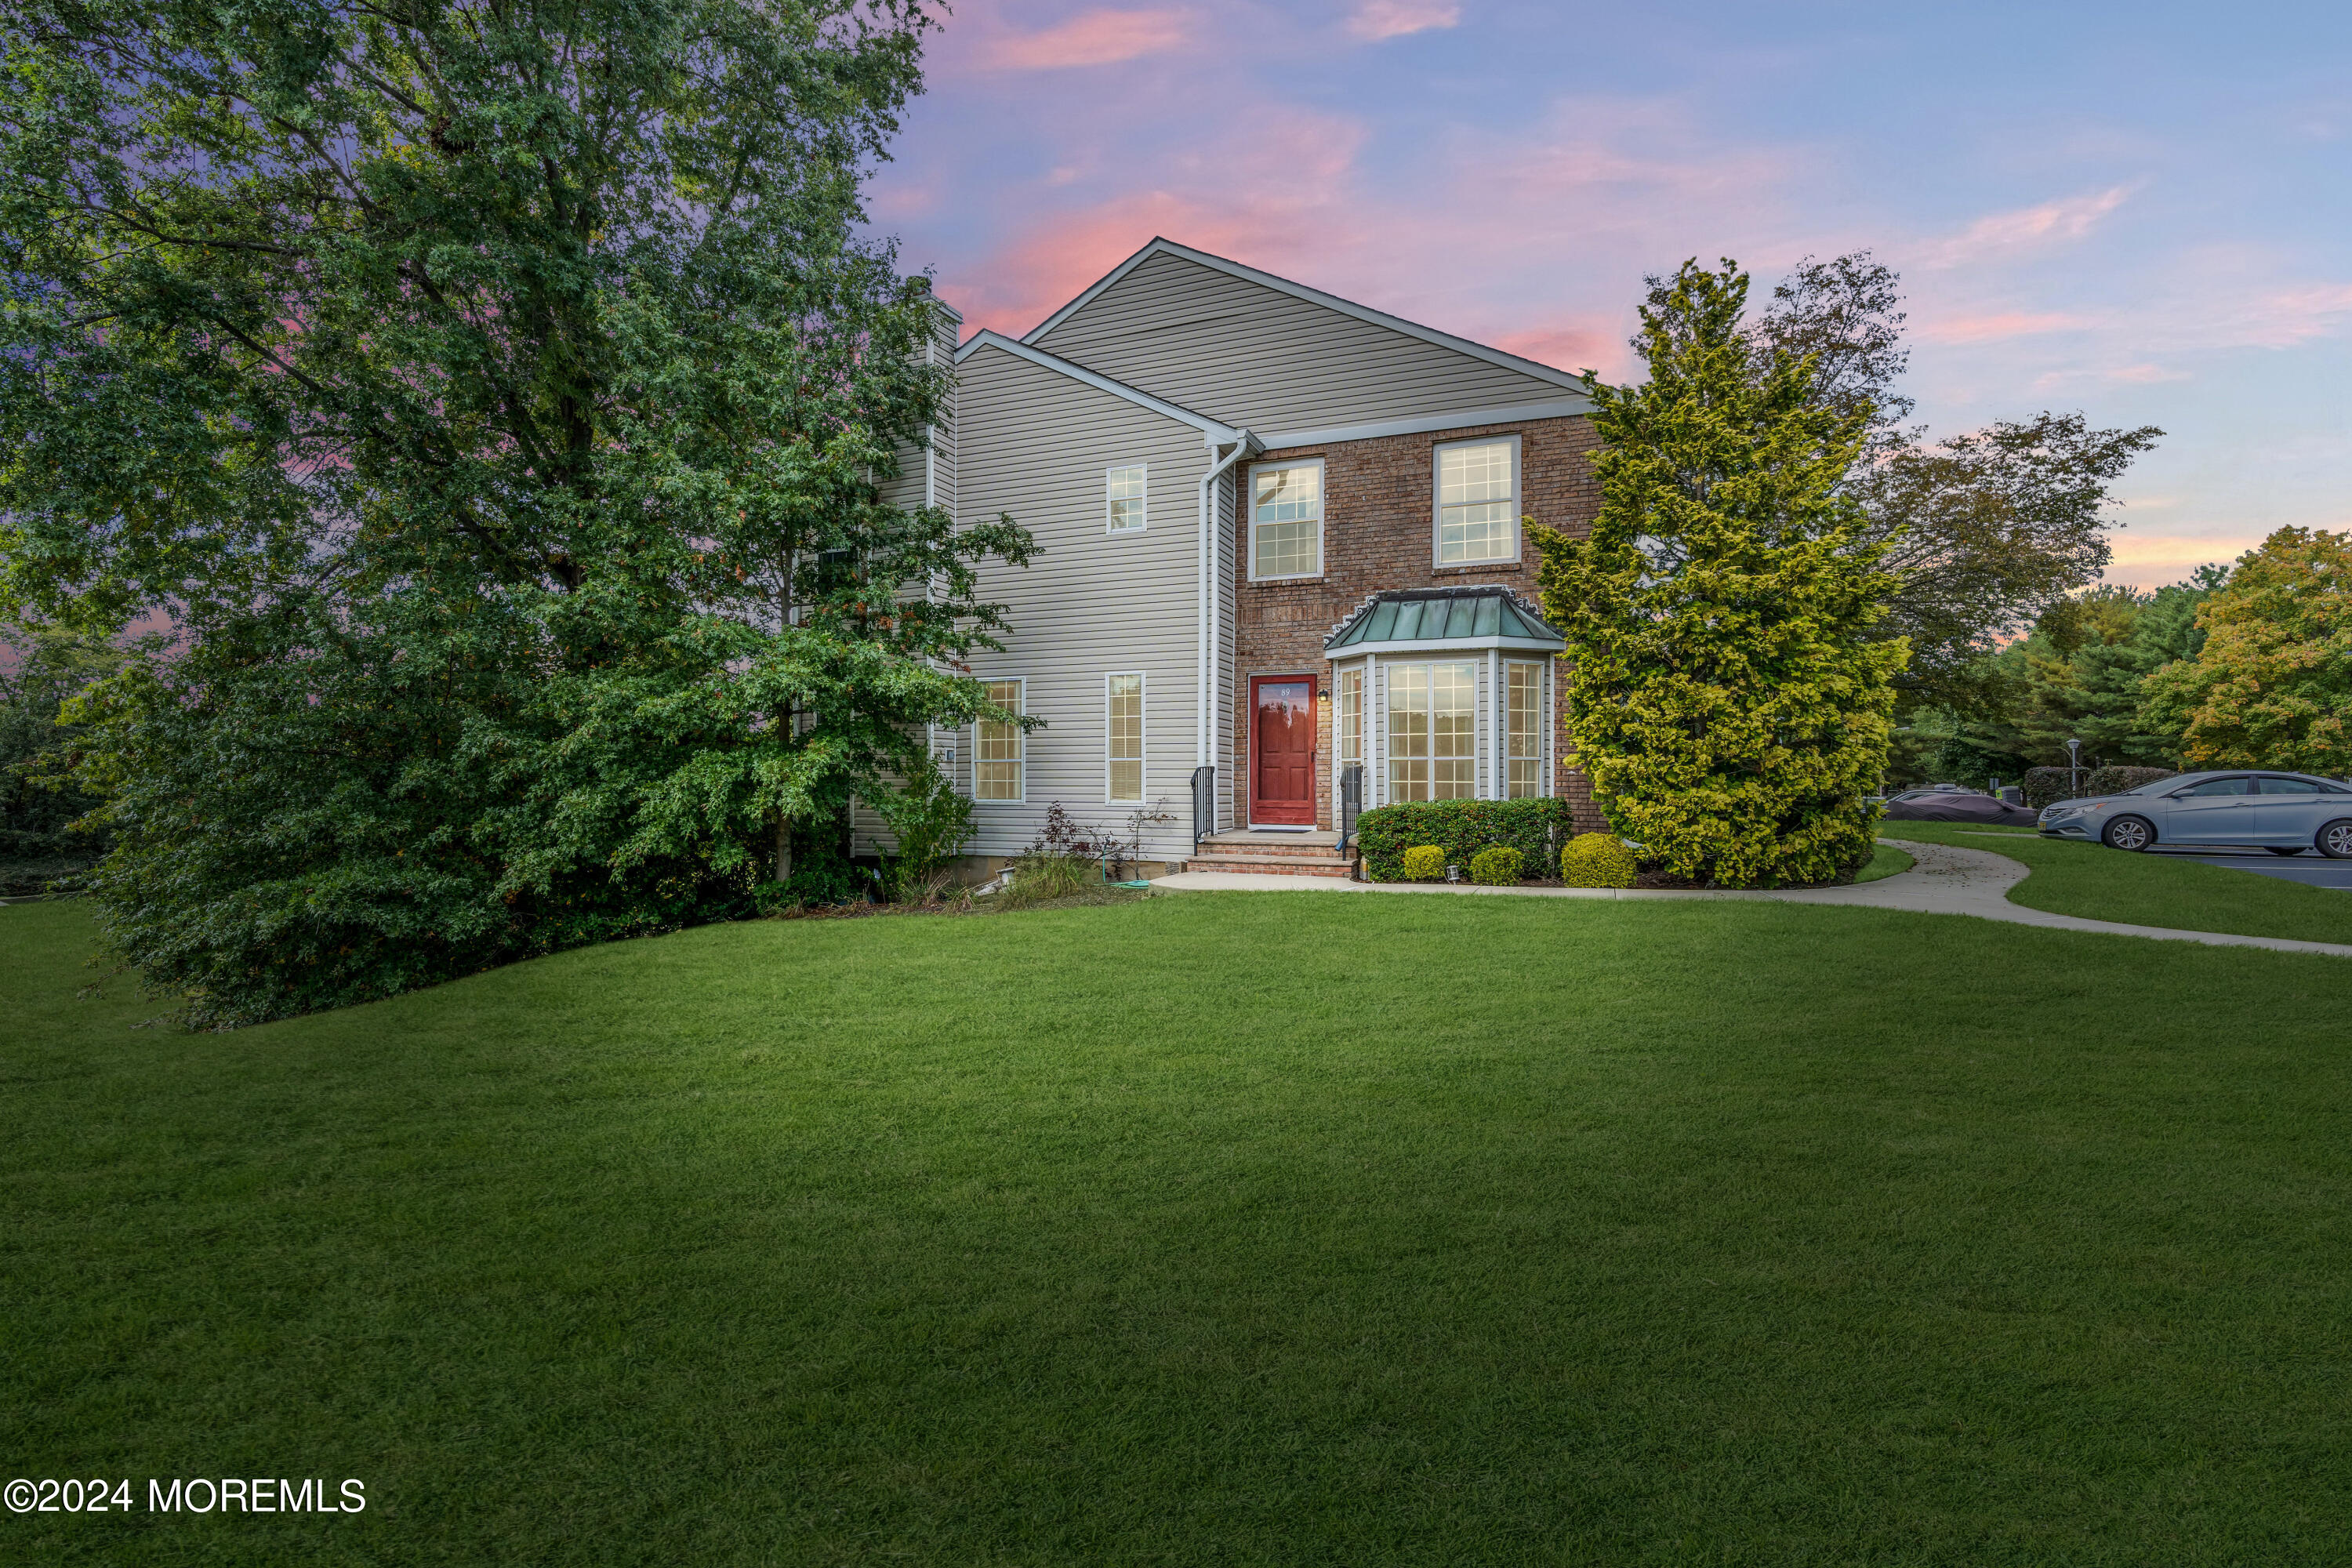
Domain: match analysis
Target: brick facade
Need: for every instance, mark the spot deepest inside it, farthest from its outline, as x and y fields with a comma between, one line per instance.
x=1378, y=534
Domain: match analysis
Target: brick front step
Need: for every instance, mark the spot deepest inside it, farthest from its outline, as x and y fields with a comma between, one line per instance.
x=1265, y=864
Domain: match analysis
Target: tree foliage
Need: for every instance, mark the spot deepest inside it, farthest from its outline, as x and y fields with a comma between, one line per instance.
x=2271, y=686
x=499, y=407
x=1723, y=697
x=1982, y=530
x=2081, y=674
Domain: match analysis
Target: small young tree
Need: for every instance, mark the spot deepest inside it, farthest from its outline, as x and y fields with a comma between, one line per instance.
x=1723, y=699
x=2271, y=686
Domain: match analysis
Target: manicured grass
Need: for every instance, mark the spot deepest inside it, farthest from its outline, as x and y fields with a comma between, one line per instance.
x=1885, y=861
x=2102, y=884
x=1229, y=1228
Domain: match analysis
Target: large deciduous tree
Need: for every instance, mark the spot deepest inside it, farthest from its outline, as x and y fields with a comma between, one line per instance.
x=2272, y=685
x=1725, y=698
x=498, y=404
x=1983, y=531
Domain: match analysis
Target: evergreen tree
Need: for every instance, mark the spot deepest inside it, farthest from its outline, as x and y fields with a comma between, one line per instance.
x=1724, y=698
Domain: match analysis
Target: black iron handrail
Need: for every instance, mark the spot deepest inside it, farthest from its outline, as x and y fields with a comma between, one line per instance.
x=1204, y=804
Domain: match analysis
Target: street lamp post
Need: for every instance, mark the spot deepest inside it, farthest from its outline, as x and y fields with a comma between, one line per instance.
x=2074, y=767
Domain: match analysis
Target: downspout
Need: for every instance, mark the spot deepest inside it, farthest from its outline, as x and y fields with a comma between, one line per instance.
x=1203, y=740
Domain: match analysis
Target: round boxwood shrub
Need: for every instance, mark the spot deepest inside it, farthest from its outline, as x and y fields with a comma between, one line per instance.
x=1426, y=863
x=1596, y=860
x=1496, y=868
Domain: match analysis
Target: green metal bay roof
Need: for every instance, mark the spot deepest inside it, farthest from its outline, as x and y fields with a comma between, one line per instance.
x=1439, y=615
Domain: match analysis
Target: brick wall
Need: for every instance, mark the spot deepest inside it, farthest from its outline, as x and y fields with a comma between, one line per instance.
x=1378, y=499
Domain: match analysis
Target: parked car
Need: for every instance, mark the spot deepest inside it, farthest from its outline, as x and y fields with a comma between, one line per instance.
x=1949, y=803
x=2285, y=814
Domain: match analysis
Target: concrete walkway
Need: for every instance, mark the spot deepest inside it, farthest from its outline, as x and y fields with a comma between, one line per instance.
x=1945, y=881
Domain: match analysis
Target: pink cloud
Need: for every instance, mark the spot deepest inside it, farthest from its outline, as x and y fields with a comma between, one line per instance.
x=1377, y=20
x=1091, y=39
x=2147, y=374
x=2050, y=221
x=1998, y=326
x=1571, y=347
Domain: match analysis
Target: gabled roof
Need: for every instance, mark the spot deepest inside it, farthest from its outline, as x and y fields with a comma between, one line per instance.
x=1424, y=618
x=1214, y=430
x=1164, y=247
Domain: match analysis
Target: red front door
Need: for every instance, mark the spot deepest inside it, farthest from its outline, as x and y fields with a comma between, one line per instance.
x=1282, y=750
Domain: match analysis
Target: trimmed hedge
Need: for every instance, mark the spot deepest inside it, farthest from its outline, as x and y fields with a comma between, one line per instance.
x=2045, y=786
x=1496, y=868
x=1424, y=863
x=1597, y=860
x=1536, y=829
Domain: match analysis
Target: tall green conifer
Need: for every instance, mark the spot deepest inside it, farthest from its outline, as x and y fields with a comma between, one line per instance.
x=1723, y=701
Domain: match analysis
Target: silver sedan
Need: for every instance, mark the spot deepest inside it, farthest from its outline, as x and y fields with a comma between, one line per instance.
x=2285, y=814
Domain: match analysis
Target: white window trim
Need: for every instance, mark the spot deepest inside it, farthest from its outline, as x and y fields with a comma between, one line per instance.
x=1142, y=735
x=1022, y=709
x=1322, y=515
x=1145, y=498
x=1437, y=507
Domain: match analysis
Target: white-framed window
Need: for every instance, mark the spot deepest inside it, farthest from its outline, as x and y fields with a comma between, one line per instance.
x=1123, y=498
x=1348, y=722
x=999, y=750
x=1434, y=730
x=1477, y=503
x=1523, y=746
x=1123, y=727
x=1286, y=509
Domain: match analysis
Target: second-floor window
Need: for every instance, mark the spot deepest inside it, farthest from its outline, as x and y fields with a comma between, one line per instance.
x=1478, y=501
x=1287, y=521
x=1123, y=498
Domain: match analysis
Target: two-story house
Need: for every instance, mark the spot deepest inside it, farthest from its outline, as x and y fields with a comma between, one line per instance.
x=1281, y=539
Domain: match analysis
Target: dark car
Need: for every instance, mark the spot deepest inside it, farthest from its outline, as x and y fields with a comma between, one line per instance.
x=2285, y=814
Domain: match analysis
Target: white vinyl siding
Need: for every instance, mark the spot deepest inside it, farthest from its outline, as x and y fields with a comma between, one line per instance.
x=1477, y=507
x=1287, y=521
x=1238, y=351
x=1124, y=501
x=1037, y=444
x=1123, y=738
x=998, y=749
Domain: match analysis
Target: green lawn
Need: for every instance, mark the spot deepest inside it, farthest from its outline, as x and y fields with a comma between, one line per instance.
x=2102, y=884
x=1211, y=1229
x=1885, y=861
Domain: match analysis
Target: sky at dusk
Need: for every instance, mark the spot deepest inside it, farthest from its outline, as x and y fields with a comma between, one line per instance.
x=2135, y=210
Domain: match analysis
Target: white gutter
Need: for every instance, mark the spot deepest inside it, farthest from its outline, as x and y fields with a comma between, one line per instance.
x=1203, y=751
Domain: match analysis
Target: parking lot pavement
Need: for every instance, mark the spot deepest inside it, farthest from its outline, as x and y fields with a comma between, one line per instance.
x=2308, y=867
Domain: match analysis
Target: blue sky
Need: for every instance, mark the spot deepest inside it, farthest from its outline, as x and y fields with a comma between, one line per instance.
x=2138, y=211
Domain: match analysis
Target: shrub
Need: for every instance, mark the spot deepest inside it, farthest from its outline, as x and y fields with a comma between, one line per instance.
x=2114, y=781
x=1596, y=860
x=2044, y=785
x=1496, y=868
x=1462, y=828
x=1424, y=863
x=1040, y=877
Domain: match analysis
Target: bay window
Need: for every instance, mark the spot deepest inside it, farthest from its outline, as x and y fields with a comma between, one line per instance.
x=1433, y=730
